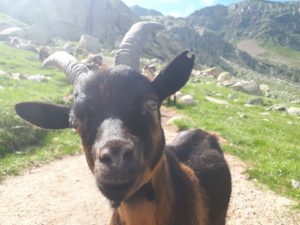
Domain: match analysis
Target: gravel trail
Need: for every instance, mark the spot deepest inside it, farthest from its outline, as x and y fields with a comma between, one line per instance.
x=64, y=192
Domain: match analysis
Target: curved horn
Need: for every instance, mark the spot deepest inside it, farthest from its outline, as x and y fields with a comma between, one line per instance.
x=131, y=45
x=67, y=63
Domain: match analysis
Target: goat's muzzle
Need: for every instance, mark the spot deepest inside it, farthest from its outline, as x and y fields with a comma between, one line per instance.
x=116, y=169
x=117, y=153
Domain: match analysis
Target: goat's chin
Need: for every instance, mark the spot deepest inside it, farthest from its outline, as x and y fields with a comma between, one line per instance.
x=115, y=192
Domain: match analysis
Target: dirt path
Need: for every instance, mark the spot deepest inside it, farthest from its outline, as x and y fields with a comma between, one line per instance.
x=63, y=192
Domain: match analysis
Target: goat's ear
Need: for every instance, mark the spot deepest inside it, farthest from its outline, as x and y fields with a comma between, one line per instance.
x=174, y=75
x=44, y=115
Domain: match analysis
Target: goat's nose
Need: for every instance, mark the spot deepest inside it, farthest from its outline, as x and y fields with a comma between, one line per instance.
x=116, y=155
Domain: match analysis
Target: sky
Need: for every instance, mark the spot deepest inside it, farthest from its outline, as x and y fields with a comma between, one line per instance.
x=179, y=7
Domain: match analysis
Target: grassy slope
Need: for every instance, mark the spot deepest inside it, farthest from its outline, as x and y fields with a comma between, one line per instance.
x=16, y=136
x=270, y=144
x=9, y=20
x=280, y=55
x=271, y=53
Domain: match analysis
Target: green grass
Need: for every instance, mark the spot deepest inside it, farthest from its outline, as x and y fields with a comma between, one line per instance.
x=9, y=20
x=53, y=145
x=280, y=55
x=21, y=144
x=269, y=144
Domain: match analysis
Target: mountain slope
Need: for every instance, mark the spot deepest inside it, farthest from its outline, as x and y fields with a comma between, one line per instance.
x=140, y=11
x=265, y=20
x=71, y=18
x=211, y=32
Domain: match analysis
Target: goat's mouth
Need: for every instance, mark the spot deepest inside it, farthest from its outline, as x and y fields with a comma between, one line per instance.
x=115, y=191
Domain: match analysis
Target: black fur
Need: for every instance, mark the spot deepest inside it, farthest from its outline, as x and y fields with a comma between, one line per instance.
x=181, y=187
x=120, y=96
x=201, y=152
x=44, y=115
x=174, y=75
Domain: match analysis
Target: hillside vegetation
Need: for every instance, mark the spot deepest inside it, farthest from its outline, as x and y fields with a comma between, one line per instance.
x=22, y=145
x=273, y=25
x=221, y=37
x=277, y=22
x=210, y=32
x=267, y=140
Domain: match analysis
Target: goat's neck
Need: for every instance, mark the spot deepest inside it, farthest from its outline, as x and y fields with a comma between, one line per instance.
x=155, y=211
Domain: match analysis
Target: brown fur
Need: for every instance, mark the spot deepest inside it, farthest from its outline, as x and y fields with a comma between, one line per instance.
x=150, y=212
x=200, y=208
x=116, y=114
x=158, y=212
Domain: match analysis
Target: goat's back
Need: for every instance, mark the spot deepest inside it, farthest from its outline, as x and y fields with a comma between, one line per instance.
x=201, y=152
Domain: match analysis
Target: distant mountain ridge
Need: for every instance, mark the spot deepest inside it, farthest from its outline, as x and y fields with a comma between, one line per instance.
x=212, y=32
x=212, y=50
x=277, y=22
x=140, y=11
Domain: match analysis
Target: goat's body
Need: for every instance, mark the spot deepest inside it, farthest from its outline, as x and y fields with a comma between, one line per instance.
x=191, y=186
x=116, y=112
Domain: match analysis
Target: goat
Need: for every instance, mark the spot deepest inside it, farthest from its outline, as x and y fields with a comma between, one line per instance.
x=44, y=53
x=116, y=112
x=22, y=44
x=94, y=61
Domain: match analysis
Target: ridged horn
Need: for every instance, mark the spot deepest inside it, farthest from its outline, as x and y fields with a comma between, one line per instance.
x=131, y=46
x=67, y=63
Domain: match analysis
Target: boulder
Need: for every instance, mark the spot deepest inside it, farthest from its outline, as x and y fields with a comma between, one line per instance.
x=255, y=101
x=211, y=72
x=38, y=78
x=265, y=114
x=231, y=96
x=293, y=111
x=18, y=76
x=250, y=87
x=187, y=100
x=70, y=48
x=295, y=184
x=265, y=89
x=3, y=73
x=196, y=73
x=28, y=47
x=89, y=43
x=227, y=83
x=225, y=76
x=295, y=101
x=179, y=94
x=22, y=44
x=217, y=101
x=280, y=108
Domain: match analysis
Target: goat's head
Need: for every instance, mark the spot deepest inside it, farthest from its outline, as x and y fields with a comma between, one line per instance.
x=116, y=113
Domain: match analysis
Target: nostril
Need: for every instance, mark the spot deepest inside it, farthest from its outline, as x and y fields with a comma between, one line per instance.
x=116, y=155
x=105, y=158
x=128, y=155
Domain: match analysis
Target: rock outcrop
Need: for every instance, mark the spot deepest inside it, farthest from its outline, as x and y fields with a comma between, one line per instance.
x=71, y=18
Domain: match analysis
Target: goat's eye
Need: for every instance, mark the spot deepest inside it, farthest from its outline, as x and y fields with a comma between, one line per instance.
x=152, y=105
